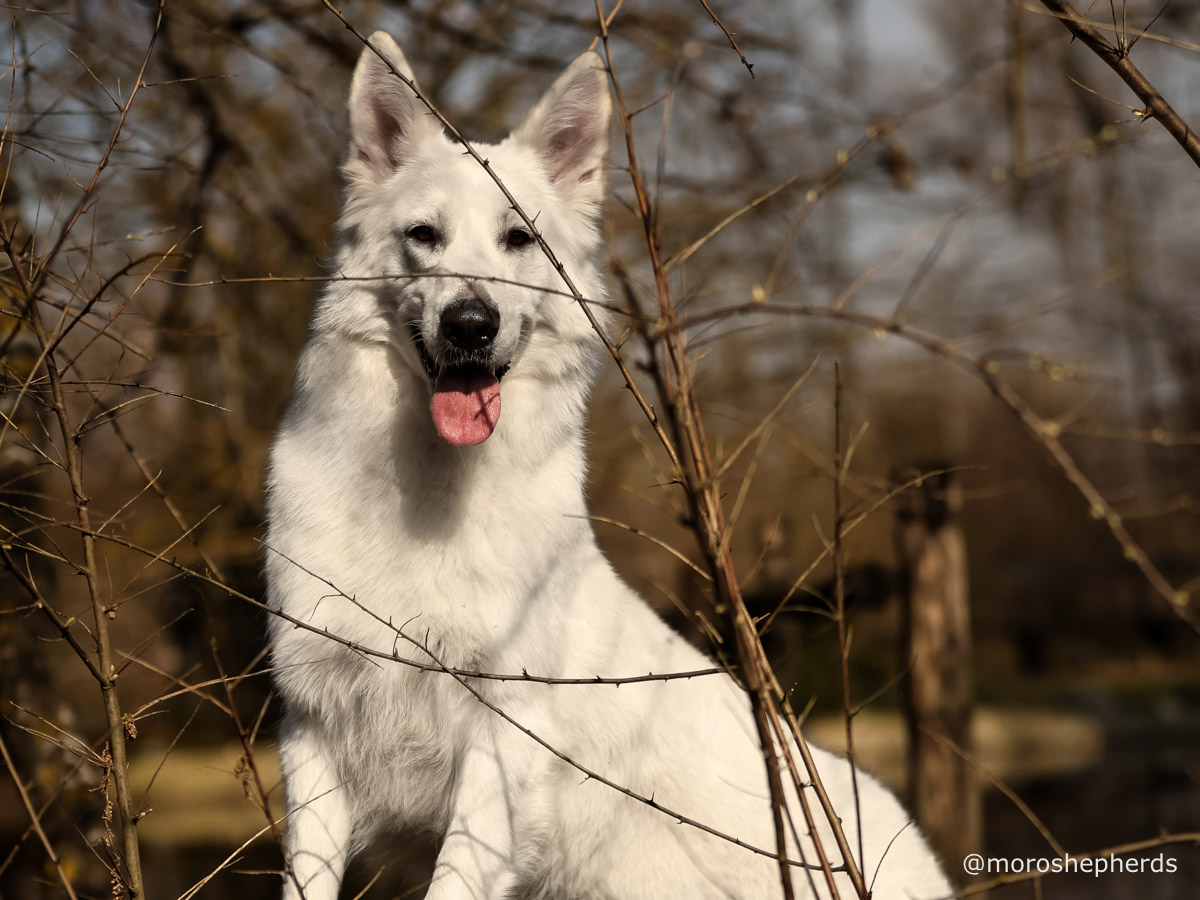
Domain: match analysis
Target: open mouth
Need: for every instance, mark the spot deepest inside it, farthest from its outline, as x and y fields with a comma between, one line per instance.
x=466, y=395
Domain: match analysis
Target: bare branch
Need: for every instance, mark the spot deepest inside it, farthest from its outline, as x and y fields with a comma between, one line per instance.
x=1117, y=59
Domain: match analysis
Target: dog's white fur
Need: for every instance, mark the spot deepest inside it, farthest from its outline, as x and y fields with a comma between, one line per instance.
x=484, y=553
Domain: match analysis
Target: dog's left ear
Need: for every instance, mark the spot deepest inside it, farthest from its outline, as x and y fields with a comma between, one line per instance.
x=569, y=129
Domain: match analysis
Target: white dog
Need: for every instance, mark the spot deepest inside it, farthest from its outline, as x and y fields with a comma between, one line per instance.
x=405, y=495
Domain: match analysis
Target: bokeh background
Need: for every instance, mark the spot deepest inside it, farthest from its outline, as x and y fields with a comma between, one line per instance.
x=961, y=167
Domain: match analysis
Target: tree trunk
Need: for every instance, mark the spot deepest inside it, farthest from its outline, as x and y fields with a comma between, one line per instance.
x=938, y=697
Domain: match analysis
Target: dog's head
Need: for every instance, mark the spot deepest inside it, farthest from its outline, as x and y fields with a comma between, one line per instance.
x=469, y=296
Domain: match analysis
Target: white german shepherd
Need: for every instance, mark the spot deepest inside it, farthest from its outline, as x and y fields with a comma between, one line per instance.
x=404, y=494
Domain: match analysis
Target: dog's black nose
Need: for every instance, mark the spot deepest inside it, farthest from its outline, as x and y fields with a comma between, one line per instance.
x=470, y=324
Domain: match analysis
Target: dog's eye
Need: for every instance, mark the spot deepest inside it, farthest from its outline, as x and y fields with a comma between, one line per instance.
x=422, y=234
x=518, y=238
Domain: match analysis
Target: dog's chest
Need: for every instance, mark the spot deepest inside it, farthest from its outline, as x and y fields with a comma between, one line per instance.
x=393, y=734
x=374, y=530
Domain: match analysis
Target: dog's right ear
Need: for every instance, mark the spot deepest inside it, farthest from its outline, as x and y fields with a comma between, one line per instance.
x=385, y=114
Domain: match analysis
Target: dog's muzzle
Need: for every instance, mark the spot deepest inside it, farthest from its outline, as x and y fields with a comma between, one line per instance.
x=466, y=382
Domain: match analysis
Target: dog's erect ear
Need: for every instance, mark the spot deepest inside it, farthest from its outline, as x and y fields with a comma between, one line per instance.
x=569, y=129
x=385, y=114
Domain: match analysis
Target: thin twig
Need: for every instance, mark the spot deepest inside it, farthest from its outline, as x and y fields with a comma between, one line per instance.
x=841, y=463
x=1044, y=431
x=36, y=821
x=1117, y=59
x=729, y=35
x=674, y=379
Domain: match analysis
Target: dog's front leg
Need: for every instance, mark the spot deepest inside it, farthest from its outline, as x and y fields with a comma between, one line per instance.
x=318, y=821
x=477, y=859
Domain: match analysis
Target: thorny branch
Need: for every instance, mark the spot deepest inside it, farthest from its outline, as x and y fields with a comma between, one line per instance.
x=728, y=36
x=674, y=377
x=1117, y=59
x=131, y=863
x=1045, y=431
x=128, y=868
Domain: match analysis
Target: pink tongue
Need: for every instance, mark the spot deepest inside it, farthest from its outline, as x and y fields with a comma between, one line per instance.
x=466, y=406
